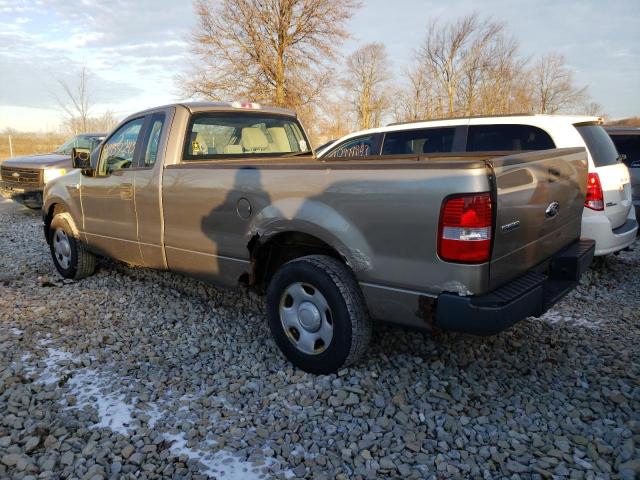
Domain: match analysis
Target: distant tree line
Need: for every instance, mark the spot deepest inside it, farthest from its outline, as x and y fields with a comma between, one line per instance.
x=286, y=53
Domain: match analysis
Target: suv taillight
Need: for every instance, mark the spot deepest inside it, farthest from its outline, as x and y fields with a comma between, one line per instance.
x=466, y=222
x=595, y=197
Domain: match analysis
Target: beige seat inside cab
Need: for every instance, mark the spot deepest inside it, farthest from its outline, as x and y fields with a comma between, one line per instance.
x=253, y=139
x=233, y=149
x=279, y=139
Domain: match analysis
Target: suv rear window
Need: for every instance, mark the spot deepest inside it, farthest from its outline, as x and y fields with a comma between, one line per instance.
x=507, y=138
x=628, y=145
x=600, y=145
x=426, y=140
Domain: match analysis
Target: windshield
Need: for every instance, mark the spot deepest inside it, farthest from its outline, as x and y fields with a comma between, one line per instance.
x=602, y=149
x=79, y=141
x=217, y=135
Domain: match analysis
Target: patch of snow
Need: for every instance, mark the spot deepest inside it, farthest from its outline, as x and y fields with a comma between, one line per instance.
x=554, y=317
x=95, y=390
x=53, y=371
x=16, y=331
x=154, y=413
x=220, y=464
x=107, y=394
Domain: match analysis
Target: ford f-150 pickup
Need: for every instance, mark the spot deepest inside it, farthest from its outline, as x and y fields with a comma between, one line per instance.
x=231, y=193
x=23, y=178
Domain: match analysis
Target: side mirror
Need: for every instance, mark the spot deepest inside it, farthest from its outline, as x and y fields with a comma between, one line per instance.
x=80, y=157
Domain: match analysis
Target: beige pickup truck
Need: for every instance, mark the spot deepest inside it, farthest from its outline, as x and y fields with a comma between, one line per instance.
x=231, y=193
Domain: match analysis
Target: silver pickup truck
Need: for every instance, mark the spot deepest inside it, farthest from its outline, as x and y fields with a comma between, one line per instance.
x=231, y=193
x=23, y=178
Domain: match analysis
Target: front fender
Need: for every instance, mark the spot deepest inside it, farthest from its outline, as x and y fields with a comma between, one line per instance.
x=315, y=218
x=63, y=191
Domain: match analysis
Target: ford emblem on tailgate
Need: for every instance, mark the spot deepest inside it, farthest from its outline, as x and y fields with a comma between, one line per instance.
x=552, y=210
x=15, y=174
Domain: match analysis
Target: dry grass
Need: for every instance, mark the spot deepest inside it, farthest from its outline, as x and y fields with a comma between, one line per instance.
x=626, y=122
x=30, y=143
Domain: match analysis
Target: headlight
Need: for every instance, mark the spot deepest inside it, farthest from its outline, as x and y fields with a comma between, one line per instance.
x=51, y=173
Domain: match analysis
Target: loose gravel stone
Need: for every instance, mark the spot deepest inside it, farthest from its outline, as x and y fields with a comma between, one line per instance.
x=133, y=373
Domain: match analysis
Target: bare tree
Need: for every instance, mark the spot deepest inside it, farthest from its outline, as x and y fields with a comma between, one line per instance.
x=366, y=83
x=593, y=109
x=266, y=50
x=554, y=87
x=456, y=54
x=333, y=121
x=76, y=102
x=418, y=98
x=466, y=67
x=504, y=86
x=99, y=123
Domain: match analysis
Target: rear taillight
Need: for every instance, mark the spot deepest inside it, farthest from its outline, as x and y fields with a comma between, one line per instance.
x=466, y=222
x=595, y=197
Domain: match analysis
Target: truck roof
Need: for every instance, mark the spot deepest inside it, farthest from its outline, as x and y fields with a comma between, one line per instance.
x=196, y=107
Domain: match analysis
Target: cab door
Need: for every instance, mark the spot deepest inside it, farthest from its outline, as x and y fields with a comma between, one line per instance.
x=109, y=213
x=147, y=189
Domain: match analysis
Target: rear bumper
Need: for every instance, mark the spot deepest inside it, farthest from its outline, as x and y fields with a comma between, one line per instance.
x=609, y=240
x=528, y=296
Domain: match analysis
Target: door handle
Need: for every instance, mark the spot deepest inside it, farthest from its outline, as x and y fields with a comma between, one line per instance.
x=126, y=191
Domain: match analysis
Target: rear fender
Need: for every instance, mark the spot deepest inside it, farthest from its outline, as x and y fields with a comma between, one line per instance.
x=317, y=219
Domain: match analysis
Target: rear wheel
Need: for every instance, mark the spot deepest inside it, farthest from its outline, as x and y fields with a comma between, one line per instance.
x=69, y=255
x=317, y=314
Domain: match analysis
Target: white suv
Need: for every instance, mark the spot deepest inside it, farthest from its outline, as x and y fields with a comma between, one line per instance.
x=608, y=216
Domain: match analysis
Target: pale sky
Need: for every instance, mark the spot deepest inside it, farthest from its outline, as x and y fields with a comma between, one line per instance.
x=136, y=48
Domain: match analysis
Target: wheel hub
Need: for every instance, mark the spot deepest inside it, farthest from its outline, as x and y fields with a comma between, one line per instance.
x=309, y=316
x=62, y=248
x=306, y=318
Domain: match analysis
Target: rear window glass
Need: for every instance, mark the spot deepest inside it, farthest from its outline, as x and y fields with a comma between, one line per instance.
x=428, y=140
x=499, y=138
x=628, y=145
x=212, y=136
x=356, y=147
x=600, y=145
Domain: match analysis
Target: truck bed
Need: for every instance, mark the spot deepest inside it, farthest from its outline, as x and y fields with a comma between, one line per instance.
x=381, y=214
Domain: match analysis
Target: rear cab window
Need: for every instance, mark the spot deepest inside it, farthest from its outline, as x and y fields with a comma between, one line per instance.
x=507, y=138
x=601, y=147
x=218, y=135
x=419, y=141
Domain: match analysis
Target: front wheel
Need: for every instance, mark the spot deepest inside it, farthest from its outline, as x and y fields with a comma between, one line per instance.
x=69, y=255
x=317, y=314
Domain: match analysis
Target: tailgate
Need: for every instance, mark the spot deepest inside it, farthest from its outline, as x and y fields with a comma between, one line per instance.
x=616, y=188
x=539, y=202
x=614, y=176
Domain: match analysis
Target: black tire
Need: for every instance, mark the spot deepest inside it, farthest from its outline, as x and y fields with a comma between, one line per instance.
x=350, y=322
x=81, y=263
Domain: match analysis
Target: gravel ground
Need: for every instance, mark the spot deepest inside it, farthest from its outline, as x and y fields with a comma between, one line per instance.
x=139, y=374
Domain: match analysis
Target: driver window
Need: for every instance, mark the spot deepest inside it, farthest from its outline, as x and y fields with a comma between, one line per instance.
x=118, y=151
